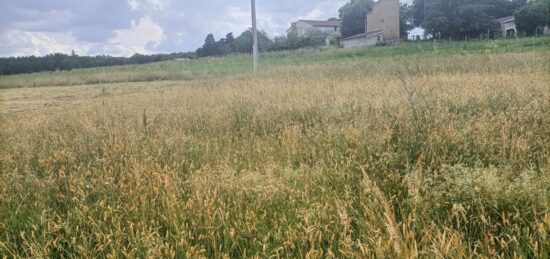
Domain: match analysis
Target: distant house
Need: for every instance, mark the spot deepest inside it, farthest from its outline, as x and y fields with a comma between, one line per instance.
x=302, y=28
x=417, y=33
x=508, y=26
x=382, y=26
x=364, y=39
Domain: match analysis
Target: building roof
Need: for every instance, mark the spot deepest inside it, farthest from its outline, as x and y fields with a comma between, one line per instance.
x=506, y=19
x=329, y=23
x=365, y=35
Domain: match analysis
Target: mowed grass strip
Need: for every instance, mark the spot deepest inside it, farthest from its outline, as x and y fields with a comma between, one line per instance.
x=392, y=157
x=224, y=66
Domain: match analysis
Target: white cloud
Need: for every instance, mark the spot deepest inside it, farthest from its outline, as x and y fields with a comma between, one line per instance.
x=238, y=13
x=314, y=14
x=272, y=25
x=324, y=10
x=140, y=38
x=134, y=4
x=143, y=37
x=158, y=4
x=20, y=43
x=145, y=4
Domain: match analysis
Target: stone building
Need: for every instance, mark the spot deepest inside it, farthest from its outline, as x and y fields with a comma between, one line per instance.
x=302, y=28
x=382, y=26
x=508, y=26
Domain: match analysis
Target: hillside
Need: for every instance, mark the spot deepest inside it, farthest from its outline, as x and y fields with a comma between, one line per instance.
x=416, y=150
x=216, y=67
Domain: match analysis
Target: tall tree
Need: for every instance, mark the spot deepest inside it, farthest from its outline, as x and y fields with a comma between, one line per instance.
x=227, y=45
x=534, y=16
x=209, y=48
x=461, y=18
x=405, y=20
x=417, y=12
x=243, y=43
x=353, y=15
x=230, y=41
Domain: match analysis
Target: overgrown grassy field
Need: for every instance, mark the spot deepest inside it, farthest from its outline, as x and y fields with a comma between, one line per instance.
x=217, y=67
x=417, y=150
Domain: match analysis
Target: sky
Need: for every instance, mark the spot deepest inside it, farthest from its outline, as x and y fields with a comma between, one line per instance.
x=126, y=27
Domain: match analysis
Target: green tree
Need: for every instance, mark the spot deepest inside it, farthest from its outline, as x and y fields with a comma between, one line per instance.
x=458, y=19
x=353, y=15
x=417, y=12
x=60, y=61
x=243, y=43
x=230, y=43
x=511, y=7
x=209, y=48
x=226, y=46
x=405, y=20
x=311, y=40
x=533, y=16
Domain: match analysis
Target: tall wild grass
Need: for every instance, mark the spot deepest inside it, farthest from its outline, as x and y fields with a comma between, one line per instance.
x=428, y=157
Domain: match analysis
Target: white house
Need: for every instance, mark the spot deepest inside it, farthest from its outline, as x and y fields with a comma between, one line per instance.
x=364, y=39
x=417, y=33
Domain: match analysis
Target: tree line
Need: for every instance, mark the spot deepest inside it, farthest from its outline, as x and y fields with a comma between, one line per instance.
x=533, y=17
x=462, y=19
x=243, y=43
x=59, y=61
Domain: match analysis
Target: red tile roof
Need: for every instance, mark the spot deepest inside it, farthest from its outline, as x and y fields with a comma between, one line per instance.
x=334, y=23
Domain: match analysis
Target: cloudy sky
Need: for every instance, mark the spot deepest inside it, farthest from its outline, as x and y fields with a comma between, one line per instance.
x=125, y=27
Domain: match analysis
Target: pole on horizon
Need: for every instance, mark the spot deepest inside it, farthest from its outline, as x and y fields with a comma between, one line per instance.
x=424, y=22
x=255, y=54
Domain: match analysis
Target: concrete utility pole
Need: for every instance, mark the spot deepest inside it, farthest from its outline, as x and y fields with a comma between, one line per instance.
x=255, y=54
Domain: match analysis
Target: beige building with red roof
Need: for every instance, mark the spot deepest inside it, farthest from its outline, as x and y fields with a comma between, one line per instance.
x=302, y=28
x=382, y=26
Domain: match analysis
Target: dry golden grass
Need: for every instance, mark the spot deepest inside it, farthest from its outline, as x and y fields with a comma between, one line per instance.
x=434, y=157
